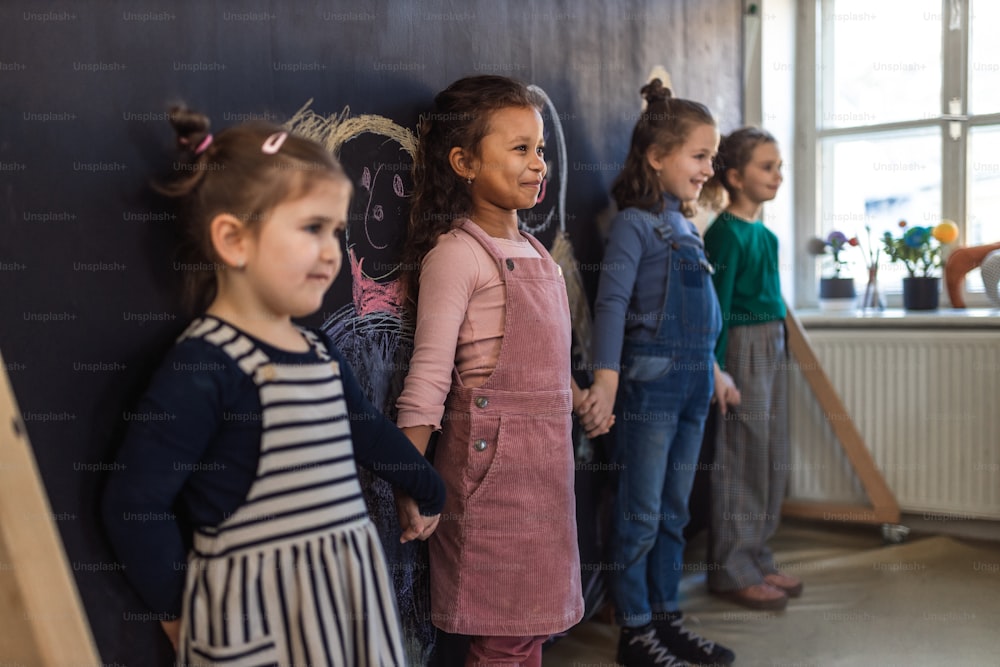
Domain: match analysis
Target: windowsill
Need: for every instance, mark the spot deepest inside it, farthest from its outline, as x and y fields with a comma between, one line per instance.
x=897, y=318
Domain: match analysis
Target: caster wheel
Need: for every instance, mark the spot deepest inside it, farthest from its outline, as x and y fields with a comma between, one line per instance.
x=894, y=533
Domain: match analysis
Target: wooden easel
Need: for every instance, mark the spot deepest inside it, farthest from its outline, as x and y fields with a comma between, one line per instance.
x=42, y=621
x=884, y=508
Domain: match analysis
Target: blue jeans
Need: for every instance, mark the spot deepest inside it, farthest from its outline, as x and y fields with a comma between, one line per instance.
x=660, y=413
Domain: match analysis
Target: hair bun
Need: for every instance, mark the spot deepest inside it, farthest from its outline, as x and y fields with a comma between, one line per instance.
x=191, y=127
x=655, y=91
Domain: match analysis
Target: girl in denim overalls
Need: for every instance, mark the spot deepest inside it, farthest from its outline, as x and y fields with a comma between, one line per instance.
x=656, y=323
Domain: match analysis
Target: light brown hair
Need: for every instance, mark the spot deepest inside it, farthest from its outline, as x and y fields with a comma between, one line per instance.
x=735, y=151
x=230, y=173
x=665, y=125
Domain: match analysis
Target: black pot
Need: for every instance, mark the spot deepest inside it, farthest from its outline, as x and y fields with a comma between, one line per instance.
x=836, y=288
x=921, y=293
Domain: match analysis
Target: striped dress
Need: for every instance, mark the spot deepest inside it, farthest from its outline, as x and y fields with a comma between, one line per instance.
x=296, y=575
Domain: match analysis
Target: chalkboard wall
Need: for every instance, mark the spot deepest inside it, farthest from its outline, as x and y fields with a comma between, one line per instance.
x=86, y=252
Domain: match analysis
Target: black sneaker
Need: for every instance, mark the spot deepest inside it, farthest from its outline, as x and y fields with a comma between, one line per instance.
x=641, y=647
x=687, y=645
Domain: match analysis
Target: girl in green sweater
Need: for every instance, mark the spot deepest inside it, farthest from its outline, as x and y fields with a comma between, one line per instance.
x=750, y=472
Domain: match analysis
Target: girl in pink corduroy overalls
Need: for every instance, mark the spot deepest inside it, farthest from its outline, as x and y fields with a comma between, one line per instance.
x=491, y=371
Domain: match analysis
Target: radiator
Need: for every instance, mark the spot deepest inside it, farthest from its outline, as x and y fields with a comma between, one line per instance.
x=928, y=406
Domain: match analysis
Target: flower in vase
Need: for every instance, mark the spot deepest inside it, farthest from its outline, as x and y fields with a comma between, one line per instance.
x=832, y=246
x=916, y=237
x=919, y=248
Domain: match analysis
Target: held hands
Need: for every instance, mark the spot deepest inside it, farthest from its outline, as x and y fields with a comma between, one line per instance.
x=595, y=405
x=415, y=526
x=726, y=393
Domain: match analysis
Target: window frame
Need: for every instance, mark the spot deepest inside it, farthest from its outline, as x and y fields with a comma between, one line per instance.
x=810, y=185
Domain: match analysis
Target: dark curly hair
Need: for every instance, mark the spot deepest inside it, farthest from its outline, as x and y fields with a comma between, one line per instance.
x=460, y=118
x=665, y=123
x=230, y=173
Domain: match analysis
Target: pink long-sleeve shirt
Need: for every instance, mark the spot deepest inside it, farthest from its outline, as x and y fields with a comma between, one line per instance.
x=460, y=323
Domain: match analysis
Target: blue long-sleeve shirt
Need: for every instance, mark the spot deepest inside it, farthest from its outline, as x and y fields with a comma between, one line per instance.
x=191, y=455
x=634, y=277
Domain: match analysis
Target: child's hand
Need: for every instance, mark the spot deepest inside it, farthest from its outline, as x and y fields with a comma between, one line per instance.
x=409, y=517
x=726, y=393
x=415, y=526
x=173, y=630
x=430, y=525
x=594, y=430
x=596, y=409
x=602, y=428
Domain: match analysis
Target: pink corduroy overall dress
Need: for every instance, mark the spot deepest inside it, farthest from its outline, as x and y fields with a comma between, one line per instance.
x=504, y=560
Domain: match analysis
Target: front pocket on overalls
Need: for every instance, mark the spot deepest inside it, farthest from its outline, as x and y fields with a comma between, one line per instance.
x=260, y=652
x=647, y=368
x=480, y=452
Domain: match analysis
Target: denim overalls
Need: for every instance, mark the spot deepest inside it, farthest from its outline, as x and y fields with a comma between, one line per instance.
x=663, y=398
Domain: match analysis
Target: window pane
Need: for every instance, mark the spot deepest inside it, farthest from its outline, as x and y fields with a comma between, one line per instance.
x=983, y=226
x=877, y=180
x=880, y=66
x=984, y=58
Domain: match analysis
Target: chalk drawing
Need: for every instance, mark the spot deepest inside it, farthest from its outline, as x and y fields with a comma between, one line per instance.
x=370, y=330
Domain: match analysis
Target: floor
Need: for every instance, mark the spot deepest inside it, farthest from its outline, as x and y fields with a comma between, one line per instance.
x=932, y=600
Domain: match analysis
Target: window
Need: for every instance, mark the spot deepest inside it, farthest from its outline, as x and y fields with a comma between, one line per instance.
x=907, y=118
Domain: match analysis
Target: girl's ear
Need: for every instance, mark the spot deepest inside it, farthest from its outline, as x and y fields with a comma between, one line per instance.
x=655, y=157
x=462, y=163
x=734, y=178
x=229, y=239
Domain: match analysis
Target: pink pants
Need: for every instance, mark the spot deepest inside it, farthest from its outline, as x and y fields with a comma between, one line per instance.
x=505, y=651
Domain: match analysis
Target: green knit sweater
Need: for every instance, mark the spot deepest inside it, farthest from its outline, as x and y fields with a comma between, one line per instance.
x=745, y=257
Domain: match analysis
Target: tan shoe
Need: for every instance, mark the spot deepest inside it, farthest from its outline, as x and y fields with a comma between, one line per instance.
x=786, y=582
x=758, y=596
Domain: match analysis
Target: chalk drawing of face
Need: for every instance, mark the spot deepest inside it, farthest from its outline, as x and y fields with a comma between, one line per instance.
x=551, y=206
x=377, y=224
x=381, y=152
x=369, y=330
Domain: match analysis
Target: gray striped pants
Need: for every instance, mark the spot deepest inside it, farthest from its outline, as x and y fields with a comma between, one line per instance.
x=750, y=472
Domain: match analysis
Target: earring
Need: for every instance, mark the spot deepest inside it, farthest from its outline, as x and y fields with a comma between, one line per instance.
x=469, y=180
x=241, y=264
